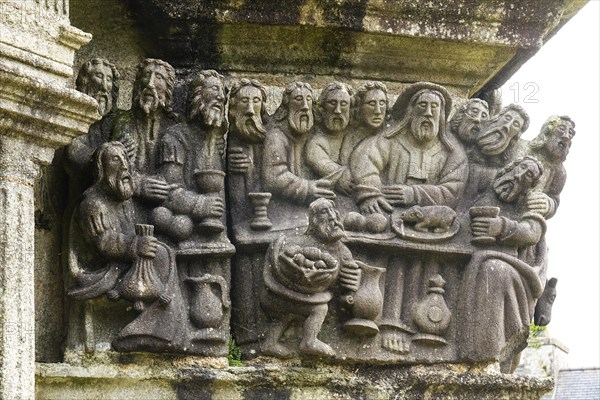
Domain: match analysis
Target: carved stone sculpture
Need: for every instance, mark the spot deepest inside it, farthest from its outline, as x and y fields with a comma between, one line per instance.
x=124, y=259
x=443, y=217
x=248, y=117
x=369, y=117
x=543, y=307
x=432, y=315
x=415, y=161
x=551, y=147
x=161, y=240
x=495, y=281
x=99, y=79
x=284, y=170
x=468, y=119
x=298, y=275
x=189, y=159
x=498, y=143
x=323, y=149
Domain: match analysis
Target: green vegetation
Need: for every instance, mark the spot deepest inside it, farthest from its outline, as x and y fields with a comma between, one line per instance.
x=235, y=354
x=534, y=332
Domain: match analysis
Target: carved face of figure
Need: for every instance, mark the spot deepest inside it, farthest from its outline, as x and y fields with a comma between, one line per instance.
x=496, y=138
x=325, y=224
x=153, y=88
x=245, y=113
x=426, y=117
x=100, y=83
x=558, y=141
x=517, y=180
x=300, y=116
x=373, y=108
x=336, y=110
x=116, y=173
x=474, y=116
x=212, y=101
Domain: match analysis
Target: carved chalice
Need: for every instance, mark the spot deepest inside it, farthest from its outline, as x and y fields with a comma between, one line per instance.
x=210, y=183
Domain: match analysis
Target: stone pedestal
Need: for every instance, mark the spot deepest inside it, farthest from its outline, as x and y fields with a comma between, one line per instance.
x=37, y=115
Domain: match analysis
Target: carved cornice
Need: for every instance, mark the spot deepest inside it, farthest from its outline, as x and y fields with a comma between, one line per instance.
x=465, y=44
x=41, y=112
x=37, y=36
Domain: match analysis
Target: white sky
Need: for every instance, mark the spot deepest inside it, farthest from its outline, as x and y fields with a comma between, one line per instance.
x=565, y=73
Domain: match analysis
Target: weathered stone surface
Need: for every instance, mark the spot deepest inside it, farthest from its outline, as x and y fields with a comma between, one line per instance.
x=399, y=288
x=181, y=379
x=461, y=44
x=38, y=37
x=37, y=115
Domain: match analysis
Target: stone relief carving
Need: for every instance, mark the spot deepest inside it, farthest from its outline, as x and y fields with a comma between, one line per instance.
x=363, y=230
x=150, y=230
x=99, y=79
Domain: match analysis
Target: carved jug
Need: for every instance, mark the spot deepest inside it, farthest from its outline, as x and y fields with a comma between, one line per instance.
x=208, y=300
x=366, y=302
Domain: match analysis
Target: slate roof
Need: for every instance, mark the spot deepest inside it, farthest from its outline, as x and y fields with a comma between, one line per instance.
x=576, y=384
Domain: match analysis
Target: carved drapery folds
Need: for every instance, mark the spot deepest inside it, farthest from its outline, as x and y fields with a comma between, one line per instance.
x=364, y=229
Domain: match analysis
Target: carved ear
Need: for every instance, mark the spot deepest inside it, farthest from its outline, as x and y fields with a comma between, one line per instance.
x=552, y=282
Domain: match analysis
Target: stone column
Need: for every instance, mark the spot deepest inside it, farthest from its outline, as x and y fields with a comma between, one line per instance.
x=37, y=115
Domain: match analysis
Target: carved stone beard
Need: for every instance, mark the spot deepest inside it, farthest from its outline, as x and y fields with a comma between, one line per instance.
x=508, y=188
x=249, y=128
x=212, y=117
x=468, y=130
x=212, y=111
x=424, y=129
x=120, y=185
x=104, y=100
x=336, y=122
x=149, y=100
x=327, y=231
x=301, y=122
x=557, y=149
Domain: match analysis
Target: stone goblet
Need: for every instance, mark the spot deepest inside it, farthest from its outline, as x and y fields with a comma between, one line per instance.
x=211, y=183
x=486, y=212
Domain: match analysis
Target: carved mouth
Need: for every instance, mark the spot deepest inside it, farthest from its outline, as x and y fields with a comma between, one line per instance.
x=126, y=179
x=491, y=141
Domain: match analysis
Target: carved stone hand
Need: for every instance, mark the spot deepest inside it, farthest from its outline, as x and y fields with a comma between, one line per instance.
x=539, y=202
x=320, y=188
x=484, y=226
x=239, y=162
x=376, y=205
x=146, y=246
